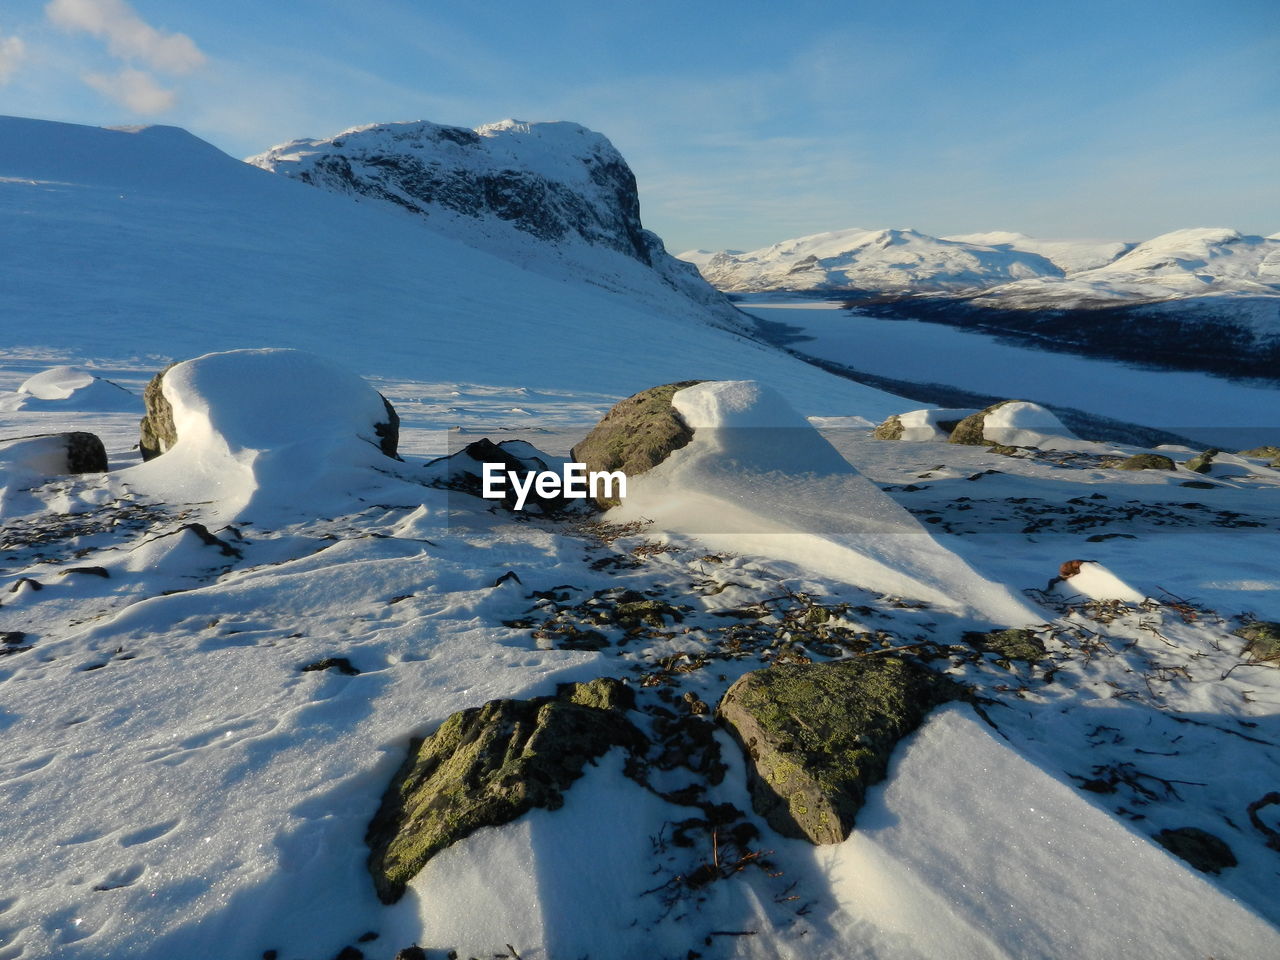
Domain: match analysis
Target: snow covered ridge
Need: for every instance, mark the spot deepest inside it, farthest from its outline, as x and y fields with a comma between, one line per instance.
x=557, y=182
x=1010, y=270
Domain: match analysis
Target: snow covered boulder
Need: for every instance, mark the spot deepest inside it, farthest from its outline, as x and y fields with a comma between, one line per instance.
x=1146, y=461
x=256, y=388
x=70, y=388
x=1014, y=423
x=486, y=766
x=921, y=425
x=816, y=736
x=1085, y=578
x=52, y=454
x=636, y=435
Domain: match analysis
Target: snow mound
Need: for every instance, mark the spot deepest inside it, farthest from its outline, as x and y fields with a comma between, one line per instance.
x=1016, y=864
x=1096, y=582
x=278, y=424
x=1025, y=424
x=757, y=478
x=71, y=388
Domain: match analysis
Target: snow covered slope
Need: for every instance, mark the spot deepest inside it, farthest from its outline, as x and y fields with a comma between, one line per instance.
x=150, y=242
x=557, y=182
x=1070, y=256
x=896, y=261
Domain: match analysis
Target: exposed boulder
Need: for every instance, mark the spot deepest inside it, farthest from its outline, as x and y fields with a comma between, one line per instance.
x=1202, y=463
x=51, y=454
x=1267, y=452
x=486, y=766
x=1146, y=461
x=891, y=429
x=464, y=471
x=1263, y=638
x=636, y=435
x=817, y=736
x=1018, y=423
x=159, y=432
x=1014, y=644
x=1201, y=849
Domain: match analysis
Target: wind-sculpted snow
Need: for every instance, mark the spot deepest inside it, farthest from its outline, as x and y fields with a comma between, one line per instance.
x=758, y=478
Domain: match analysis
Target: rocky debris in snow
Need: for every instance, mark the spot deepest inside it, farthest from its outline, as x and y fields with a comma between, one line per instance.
x=1012, y=644
x=1146, y=461
x=1202, y=463
x=341, y=664
x=76, y=451
x=816, y=736
x=485, y=766
x=1201, y=849
x=636, y=435
x=1263, y=638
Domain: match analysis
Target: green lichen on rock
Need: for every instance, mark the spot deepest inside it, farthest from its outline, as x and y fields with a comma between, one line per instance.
x=486, y=766
x=1146, y=461
x=1013, y=644
x=816, y=736
x=891, y=429
x=1262, y=453
x=157, y=432
x=1263, y=638
x=636, y=435
x=971, y=429
x=1201, y=463
x=1201, y=849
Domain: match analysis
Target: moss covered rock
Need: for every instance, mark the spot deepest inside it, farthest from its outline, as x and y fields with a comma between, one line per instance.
x=486, y=766
x=1263, y=638
x=817, y=736
x=891, y=429
x=636, y=435
x=157, y=433
x=1202, y=463
x=1262, y=453
x=1015, y=644
x=971, y=430
x=1201, y=849
x=1146, y=461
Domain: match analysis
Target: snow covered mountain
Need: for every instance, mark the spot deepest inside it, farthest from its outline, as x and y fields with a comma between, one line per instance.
x=882, y=261
x=1006, y=270
x=558, y=182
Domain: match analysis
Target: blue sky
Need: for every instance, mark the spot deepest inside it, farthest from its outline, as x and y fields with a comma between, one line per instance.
x=746, y=122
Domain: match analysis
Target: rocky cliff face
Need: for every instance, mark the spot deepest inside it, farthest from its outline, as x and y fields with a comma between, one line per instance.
x=557, y=182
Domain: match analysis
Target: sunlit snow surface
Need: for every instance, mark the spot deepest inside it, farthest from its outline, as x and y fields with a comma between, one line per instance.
x=176, y=786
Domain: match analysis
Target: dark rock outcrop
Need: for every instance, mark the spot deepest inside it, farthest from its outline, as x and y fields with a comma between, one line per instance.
x=1013, y=644
x=1262, y=453
x=636, y=435
x=76, y=451
x=817, y=736
x=1201, y=849
x=486, y=766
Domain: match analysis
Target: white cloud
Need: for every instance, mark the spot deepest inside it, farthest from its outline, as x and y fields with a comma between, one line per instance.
x=127, y=35
x=12, y=53
x=135, y=89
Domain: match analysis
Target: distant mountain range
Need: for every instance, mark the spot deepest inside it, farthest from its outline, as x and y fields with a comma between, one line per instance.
x=1006, y=270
